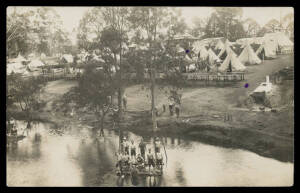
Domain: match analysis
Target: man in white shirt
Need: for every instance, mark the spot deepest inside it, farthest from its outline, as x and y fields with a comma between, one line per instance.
x=150, y=159
x=132, y=149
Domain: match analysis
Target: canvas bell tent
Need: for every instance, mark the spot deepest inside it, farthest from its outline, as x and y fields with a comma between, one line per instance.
x=203, y=53
x=19, y=59
x=35, y=64
x=248, y=56
x=212, y=57
x=226, y=50
x=16, y=67
x=67, y=58
x=220, y=45
x=282, y=42
x=267, y=50
x=231, y=64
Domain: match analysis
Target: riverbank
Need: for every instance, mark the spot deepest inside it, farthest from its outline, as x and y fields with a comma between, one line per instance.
x=211, y=132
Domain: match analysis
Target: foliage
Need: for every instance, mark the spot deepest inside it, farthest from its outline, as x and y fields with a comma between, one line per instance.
x=225, y=22
x=94, y=88
x=36, y=30
x=24, y=92
x=272, y=26
x=251, y=27
x=176, y=24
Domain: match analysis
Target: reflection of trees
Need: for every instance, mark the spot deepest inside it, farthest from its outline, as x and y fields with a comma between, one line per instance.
x=14, y=149
x=172, y=140
x=36, y=146
x=96, y=160
x=180, y=174
x=230, y=157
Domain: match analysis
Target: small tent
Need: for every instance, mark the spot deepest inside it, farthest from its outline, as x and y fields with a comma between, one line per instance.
x=203, y=53
x=19, y=59
x=258, y=40
x=185, y=36
x=16, y=67
x=197, y=46
x=43, y=56
x=188, y=60
x=35, y=64
x=225, y=50
x=97, y=58
x=283, y=43
x=67, y=58
x=179, y=49
x=231, y=63
x=31, y=56
x=267, y=50
x=219, y=45
x=212, y=57
x=248, y=56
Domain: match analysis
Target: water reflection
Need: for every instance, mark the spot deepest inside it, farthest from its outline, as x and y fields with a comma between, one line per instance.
x=47, y=156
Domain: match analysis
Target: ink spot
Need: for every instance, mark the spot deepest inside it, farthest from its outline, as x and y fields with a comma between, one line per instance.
x=246, y=85
x=187, y=51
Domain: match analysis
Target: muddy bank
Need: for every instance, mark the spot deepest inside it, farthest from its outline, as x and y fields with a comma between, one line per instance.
x=264, y=144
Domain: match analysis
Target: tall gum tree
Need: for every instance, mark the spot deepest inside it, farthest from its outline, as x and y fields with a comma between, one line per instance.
x=150, y=20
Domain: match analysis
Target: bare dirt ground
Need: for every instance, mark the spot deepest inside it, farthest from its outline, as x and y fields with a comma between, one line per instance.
x=202, y=114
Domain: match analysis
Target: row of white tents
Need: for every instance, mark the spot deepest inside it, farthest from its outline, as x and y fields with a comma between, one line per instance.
x=22, y=65
x=269, y=46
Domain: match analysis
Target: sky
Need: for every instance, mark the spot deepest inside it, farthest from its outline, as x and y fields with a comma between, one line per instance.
x=72, y=15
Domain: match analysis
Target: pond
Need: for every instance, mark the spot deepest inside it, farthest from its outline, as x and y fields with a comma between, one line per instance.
x=50, y=156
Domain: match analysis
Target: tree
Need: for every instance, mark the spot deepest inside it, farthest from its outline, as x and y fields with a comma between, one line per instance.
x=94, y=89
x=106, y=27
x=24, y=92
x=272, y=26
x=288, y=23
x=251, y=27
x=116, y=18
x=150, y=20
x=89, y=29
x=176, y=24
x=228, y=17
x=262, y=32
x=211, y=27
x=17, y=32
x=35, y=30
x=198, y=27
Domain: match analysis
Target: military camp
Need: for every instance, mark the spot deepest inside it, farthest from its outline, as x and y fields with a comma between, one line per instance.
x=106, y=96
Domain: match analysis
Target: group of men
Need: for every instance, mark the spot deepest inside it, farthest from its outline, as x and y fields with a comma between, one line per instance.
x=138, y=156
x=173, y=105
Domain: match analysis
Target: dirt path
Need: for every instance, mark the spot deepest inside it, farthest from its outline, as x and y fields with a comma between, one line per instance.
x=258, y=74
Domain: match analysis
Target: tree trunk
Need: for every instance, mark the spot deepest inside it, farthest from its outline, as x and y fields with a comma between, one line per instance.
x=102, y=122
x=120, y=87
x=154, y=126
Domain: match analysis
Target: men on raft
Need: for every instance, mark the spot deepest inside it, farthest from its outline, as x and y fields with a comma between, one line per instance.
x=132, y=156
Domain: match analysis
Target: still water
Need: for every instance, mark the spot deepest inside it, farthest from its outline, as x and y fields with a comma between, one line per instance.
x=47, y=157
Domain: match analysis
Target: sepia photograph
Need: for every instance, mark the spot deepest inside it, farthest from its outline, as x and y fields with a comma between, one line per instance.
x=143, y=96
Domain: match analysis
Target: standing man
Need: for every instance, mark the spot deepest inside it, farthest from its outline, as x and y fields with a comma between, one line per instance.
x=157, y=145
x=171, y=106
x=125, y=101
x=177, y=109
x=126, y=146
x=150, y=159
x=164, y=108
x=132, y=149
x=142, y=147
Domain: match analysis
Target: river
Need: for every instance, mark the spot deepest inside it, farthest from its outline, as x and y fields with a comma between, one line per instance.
x=48, y=157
